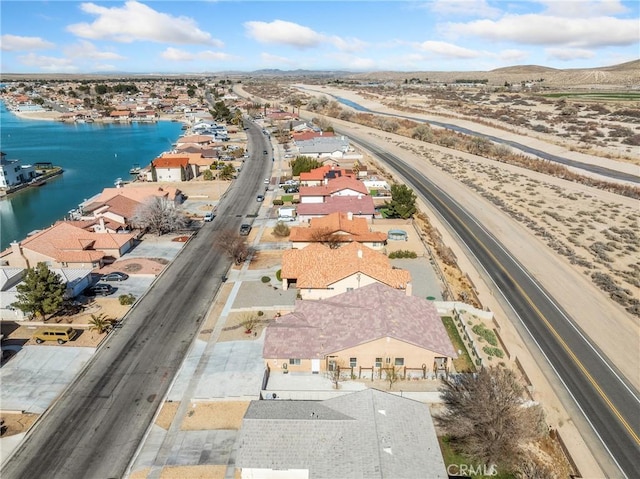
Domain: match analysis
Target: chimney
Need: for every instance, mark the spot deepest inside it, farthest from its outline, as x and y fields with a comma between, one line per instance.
x=102, y=224
x=349, y=215
x=359, y=254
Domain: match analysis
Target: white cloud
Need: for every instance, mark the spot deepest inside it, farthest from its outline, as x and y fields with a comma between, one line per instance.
x=87, y=50
x=284, y=33
x=48, y=64
x=177, y=55
x=269, y=59
x=536, y=29
x=583, y=8
x=513, y=56
x=14, y=43
x=568, y=54
x=348, y=44
x=470, y=8
x=138, y=22
x=444, y=49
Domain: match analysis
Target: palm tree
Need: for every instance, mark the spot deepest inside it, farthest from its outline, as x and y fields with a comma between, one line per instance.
x=100, y=323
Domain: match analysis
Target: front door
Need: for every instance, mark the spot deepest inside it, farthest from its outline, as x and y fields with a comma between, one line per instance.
x=315, y=366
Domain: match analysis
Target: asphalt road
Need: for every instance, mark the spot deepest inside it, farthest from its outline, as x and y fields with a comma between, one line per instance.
x=609, y=403
x=599, y=170
x=95, y=427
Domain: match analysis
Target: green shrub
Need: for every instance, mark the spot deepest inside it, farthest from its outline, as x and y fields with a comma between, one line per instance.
x=493, y=352
x=278, y=202
x=126, y=299
x=403, y=254
x=265, y=279
x=279, y=275
x=281, y=230
x=485, y=333
x=295, y=201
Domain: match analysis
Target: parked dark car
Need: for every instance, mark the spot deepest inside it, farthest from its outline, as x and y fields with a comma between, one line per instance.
x=259, y=198
x=245, y=229
x=102, y=289
x=115, y=276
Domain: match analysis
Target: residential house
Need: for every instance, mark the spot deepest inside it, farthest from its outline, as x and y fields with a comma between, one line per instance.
x=324, y=146
x=374, y=326
x=319, y=271
x=360, y=206
x=369, y=433
x=75, y=279
x=65, y=245
x=170, y=169
x=141, y=194
x=340, y=186
x=13, y=173
x=115, y=215
x=196, y=161
x=336, y=229
x=320, y=176
x=121, y=115
x=202, y=140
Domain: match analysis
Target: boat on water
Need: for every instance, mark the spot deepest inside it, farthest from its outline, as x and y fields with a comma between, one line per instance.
x=135, y=169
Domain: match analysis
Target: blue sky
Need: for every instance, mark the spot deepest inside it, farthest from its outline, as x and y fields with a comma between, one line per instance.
x=213, y=36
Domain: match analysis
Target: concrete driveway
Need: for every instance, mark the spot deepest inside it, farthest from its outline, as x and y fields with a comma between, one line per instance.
x=33, y=379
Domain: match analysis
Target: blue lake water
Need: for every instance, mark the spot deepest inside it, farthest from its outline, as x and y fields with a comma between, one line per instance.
x=92, y=156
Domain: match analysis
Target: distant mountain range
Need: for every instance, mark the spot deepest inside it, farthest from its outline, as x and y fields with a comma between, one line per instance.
x=624, y=75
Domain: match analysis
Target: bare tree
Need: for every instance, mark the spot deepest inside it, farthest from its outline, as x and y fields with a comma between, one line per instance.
x=160, y=216
x=334, y=374
x=235, y=247
x=487, y=418
x=249, y=322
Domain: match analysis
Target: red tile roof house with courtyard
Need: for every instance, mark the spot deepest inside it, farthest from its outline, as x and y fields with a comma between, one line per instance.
x=320, y=272
x=336, y=228
x=371, y=327
x=65, y=245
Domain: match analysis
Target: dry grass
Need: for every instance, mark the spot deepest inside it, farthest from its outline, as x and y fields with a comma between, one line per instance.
x=214, y=415
x=193, y=472
x=167, y=413
x=17, y=423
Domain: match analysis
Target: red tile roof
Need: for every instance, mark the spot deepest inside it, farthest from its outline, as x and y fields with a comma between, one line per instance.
x=339, y=225
x=335, y=186
x=318, y=266
x=171, y=162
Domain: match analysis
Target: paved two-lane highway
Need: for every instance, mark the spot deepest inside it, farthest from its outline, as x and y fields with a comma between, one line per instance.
x=608, y=401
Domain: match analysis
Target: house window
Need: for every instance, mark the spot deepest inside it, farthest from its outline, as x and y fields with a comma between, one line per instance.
x=349, y=289
x=387, y=360
x=353, y=362
x=295, y=362
x=399, y=362
x=378, y=362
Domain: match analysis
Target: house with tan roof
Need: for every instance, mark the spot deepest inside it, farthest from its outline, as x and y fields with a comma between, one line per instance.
x=64, y=245
x=336, y=229
x=319, y=271
x=115, y=215
x=203, y=140
x=374, y=326
x=170, y=169
x=138, y=193
x=196, y=160
x=360, y=206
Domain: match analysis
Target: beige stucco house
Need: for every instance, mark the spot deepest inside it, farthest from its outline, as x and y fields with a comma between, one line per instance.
x=337, y=228
x=371, y=327
x=319, y=271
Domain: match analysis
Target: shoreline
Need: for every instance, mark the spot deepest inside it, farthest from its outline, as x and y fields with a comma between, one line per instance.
x=50, y=115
